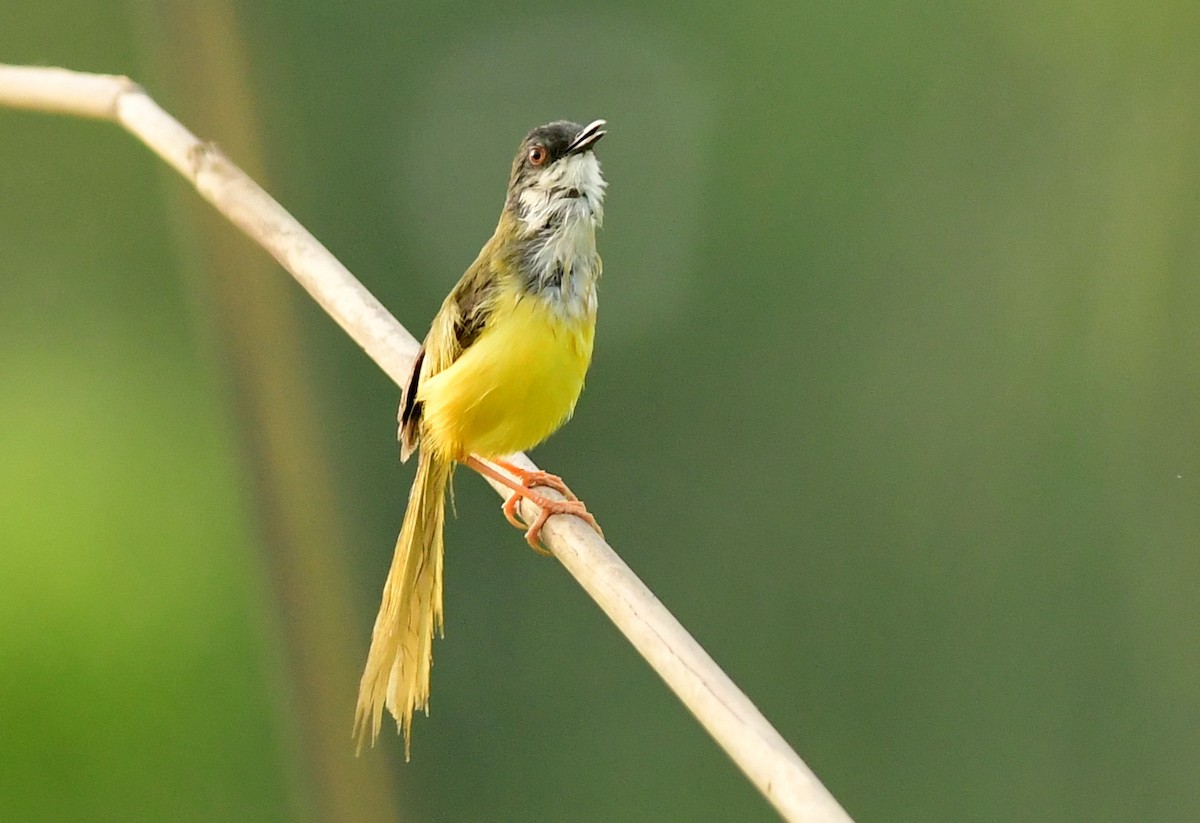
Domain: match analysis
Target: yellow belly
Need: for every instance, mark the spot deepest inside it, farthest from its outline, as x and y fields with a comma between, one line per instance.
x=512, y=387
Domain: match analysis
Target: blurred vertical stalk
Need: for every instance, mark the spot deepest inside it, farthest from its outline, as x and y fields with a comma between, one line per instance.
x=252, y=311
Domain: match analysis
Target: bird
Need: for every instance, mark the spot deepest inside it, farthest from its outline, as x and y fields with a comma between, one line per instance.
x=499, y=371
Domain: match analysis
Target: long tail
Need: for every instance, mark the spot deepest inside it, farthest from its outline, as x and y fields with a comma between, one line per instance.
x=397, y=671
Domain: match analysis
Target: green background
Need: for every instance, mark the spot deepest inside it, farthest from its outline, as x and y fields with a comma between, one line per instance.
x=894, y=404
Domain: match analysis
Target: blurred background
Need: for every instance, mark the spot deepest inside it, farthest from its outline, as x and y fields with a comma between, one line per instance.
x=894, y=404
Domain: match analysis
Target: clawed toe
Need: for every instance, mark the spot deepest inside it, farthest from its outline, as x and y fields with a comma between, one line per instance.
x=550, y=481
x=549, y=508
x=523, y=487
x=510, y=510
x=536, y=477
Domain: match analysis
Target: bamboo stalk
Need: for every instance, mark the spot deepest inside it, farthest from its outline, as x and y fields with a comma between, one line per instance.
x=728, y=715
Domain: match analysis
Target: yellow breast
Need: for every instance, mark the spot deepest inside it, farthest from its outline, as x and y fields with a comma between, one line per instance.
x=513, y=386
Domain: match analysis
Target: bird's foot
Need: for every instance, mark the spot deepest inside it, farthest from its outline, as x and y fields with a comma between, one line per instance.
x=523, y=487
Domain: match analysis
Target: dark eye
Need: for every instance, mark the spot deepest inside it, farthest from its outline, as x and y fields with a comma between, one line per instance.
x=538, y=155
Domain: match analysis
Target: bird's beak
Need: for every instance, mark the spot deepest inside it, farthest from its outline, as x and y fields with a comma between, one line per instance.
x=588, y=136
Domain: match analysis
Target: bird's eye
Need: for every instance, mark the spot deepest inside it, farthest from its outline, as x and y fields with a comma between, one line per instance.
x=538, y=155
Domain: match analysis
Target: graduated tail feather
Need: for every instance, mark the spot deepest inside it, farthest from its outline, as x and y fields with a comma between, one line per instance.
x=397, y=671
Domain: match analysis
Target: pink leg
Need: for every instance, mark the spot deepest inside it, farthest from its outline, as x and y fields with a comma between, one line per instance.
x=521, y=488
x=529, y=479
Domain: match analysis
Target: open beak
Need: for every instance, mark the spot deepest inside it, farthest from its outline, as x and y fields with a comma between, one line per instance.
x=588, y=136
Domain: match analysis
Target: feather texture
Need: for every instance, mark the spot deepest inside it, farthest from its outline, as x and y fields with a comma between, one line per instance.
x=397, y=670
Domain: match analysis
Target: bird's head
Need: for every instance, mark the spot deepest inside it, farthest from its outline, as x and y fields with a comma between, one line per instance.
x=556, y=176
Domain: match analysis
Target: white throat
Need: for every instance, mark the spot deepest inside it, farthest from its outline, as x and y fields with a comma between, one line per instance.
x=559, y=211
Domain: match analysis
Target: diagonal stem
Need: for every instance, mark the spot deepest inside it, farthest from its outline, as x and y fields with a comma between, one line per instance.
x=728, y=715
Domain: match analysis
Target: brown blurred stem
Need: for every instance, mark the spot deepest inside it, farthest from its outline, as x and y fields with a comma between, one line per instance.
x=254, y=330
x=729, y=716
